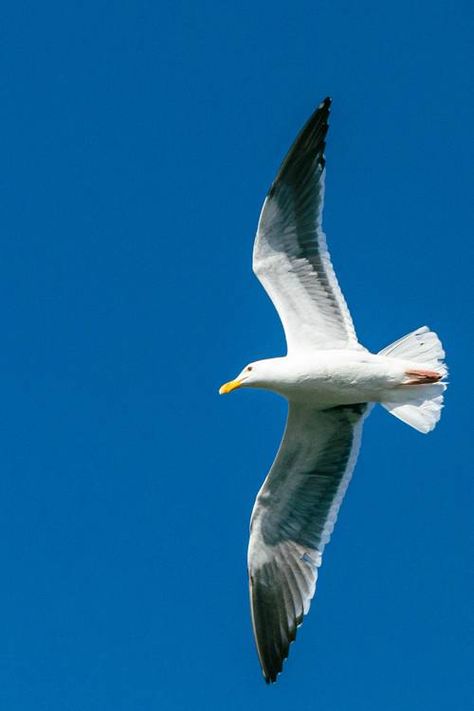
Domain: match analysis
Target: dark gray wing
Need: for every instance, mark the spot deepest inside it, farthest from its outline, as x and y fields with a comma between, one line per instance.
x=290, y=255
x=292, y=521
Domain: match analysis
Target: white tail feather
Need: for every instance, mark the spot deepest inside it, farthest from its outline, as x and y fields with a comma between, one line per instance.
x=418, y=405
x=422, y=347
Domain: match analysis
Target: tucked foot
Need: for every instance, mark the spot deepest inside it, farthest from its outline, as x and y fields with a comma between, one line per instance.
x=422, y=377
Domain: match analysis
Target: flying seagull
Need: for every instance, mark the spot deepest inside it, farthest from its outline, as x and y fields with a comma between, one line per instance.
x=330, y=381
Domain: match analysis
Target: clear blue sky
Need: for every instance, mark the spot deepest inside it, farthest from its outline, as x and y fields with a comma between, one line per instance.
x=138, y=140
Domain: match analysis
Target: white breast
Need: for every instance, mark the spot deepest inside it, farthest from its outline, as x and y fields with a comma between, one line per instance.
x=338, y=377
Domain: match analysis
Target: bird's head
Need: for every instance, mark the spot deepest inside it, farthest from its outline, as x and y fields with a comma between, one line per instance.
x=260, y=374
x=246, y=378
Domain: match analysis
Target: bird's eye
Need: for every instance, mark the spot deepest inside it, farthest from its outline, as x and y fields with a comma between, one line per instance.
x=249, y=367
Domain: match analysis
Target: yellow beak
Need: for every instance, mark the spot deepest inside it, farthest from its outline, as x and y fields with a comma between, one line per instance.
x=228, y=387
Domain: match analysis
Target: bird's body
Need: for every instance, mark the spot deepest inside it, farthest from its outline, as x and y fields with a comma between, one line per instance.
x=330, y=381
x=335, y=377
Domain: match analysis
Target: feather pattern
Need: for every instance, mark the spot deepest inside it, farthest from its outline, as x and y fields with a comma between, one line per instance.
x=291, y=258
x=292, y=520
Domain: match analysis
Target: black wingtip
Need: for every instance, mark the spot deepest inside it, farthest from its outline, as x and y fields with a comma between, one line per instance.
x=324, y=107
x=271, y=677
x=309, y=144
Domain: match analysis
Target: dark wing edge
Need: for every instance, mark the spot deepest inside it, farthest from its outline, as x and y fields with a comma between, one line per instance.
x=292, y=521
x=307, y=150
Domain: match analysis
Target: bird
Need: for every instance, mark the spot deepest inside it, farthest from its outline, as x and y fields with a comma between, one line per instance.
x=331, y=383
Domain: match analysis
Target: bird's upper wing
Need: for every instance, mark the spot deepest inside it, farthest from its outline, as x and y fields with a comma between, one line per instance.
x=290, y=255
x=292, y=520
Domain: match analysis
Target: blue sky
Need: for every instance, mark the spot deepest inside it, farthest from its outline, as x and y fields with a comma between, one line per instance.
x=138, y=140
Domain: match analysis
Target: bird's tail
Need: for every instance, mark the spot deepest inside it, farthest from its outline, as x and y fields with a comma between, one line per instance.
x=420, y=400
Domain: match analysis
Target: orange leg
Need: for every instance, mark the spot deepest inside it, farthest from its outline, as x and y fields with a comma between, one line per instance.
x=422, y=377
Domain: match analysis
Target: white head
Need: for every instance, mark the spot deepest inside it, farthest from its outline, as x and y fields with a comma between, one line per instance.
x=260, y=374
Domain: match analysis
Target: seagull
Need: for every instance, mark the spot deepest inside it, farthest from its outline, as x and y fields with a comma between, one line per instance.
x=330, y=381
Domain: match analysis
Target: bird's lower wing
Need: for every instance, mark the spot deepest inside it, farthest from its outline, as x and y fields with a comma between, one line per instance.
x=292, y=520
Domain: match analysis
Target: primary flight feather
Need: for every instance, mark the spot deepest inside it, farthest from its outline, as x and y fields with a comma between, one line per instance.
x=330, y=381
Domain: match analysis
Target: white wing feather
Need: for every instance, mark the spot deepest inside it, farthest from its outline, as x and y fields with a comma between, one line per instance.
x=291, y=258
x=293, y=518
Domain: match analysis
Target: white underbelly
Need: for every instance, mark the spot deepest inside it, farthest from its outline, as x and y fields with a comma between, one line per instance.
x=341, y=380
